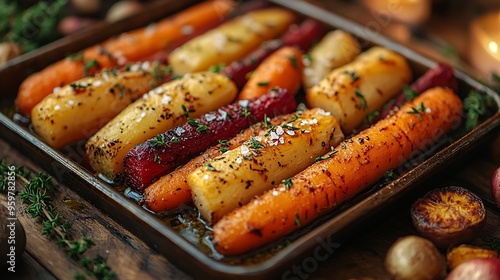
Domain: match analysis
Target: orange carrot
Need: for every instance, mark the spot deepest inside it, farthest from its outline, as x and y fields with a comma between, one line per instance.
x=172, y=190
x=359, y=162
x=281, y=69
x=132, y=46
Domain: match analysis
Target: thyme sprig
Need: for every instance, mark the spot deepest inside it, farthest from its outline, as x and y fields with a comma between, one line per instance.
x=36, y=194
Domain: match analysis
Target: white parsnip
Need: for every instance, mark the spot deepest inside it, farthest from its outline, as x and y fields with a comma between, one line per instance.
x=353, y=91
x=76, y=111
x=157, y=111
x=234, y=178
x=230, y=41
x=335, y=49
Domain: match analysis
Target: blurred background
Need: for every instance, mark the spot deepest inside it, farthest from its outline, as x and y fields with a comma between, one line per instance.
x=465, y=33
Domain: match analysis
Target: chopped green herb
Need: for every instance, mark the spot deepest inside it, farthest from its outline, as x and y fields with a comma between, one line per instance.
x=158, y=141
x=288, y=183
x=246, y=113
x=354, y=75
x=267, y=122
x=224, y=143
x=307, y=57
x=418, y=111
x=289, y=127
x=476, y=107
x=89, y=65
x=186, y=111
x=157, y=159
x=174, y=140
x=217, y=68
x=388, y=176
x=263, y=84
x=255, y=144
x=362, y=103
x=223, y=149
x=295, y=117
x=327, y=156
x=200, y=127
x=210, y=167
x=247, y=157
x=297, y=219
x=409, y=93
x=372, y=116
x=121, y=89
x=78, y=57
x=293, y=61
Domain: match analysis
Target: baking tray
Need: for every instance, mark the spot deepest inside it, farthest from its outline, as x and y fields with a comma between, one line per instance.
x=325, y=232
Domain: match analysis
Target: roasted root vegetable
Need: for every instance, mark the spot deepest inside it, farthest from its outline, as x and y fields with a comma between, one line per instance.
x=414, y=258
x=462, y=253
x=230, y=41
x=359, y=162
x=335, y=49
x=301, y=36
x=449, y=216
x=158, y=110
x=476, y=269
x=353, y=91
x=131, y=46
x=234, y=178
x=161, y=154
x=172, y=190
x=76, y=111
x=281, y=69
x=440, y=76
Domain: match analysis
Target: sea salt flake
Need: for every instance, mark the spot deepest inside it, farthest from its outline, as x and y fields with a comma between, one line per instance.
x=279, y=130
x=239, y=160
x=290, y=132
x=244, y=150
x=210, y=117
x=179, y=130
x=243, y=103
x=274, y=136
x=165, y=99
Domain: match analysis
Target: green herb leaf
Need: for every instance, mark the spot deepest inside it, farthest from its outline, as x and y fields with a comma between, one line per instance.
x=263, y=84
x=255, y=144
x=409, y=93
x=362, y=103
x=297, y=219
x=288, y=183
x=293, y=61
x=210, y=167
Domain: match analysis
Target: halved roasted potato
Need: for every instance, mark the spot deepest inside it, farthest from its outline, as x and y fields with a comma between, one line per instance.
x=448, y=216
x=462, y=253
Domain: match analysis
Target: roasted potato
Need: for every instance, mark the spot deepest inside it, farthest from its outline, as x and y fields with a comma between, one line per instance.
x=448, y=216
x=353, y=91
x=158, y=110
x=462, y=253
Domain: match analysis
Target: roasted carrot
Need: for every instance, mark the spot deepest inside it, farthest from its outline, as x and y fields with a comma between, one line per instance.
x=172, y=190
x=281, y=69
x=359, y=162
x=132, y=46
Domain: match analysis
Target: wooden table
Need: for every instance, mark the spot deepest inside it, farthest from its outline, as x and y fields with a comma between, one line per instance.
x=361, y=255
